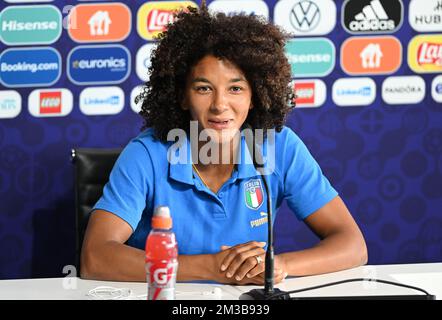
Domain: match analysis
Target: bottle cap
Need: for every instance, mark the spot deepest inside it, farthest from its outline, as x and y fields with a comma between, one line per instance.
x=161, y=218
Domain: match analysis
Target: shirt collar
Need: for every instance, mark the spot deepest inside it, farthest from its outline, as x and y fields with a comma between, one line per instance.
x=182, y=170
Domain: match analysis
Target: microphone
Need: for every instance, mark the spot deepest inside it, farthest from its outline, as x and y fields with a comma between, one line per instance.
x=268, y=291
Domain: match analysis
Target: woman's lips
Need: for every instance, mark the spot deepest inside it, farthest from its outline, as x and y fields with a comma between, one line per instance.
x=219, y=124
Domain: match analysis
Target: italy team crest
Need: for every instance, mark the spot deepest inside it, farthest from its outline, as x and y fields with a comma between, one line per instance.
x=253, y=193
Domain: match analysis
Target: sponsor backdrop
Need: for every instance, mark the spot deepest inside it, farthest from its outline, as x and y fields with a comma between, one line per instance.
x=369, y=84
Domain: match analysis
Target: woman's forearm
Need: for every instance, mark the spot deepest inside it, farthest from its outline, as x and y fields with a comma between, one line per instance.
x=336, y=252
x=113, y=261
x=119, y=262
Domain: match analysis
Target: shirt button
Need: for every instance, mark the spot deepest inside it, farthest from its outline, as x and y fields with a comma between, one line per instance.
x=221, y=194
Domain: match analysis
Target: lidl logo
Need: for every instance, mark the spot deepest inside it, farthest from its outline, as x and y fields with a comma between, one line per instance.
x=310, y=93
x=248, y=7
x=253, y=194
x=153, y=17
x=310, y=57
x=10, y=104
x=50, y=102
x=24, y=25
x=99, y=22
x=98, y=64
x=30, y=67
x=372, y=16
x=371, y=55
x=306, y=17
x=425, y=53
x=425, y=16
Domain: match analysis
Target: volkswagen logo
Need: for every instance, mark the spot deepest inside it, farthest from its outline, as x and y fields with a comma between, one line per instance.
x=305, y=16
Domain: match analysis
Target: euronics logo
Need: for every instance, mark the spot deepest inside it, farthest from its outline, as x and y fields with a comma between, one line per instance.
x=310, y=57
x=98, y=64
x=24, y=25
x=29, y=67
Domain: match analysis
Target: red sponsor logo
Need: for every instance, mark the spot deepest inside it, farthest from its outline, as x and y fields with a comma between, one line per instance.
x=429, y=53
x=50, y=102
x=158, y=19
x=305, y=93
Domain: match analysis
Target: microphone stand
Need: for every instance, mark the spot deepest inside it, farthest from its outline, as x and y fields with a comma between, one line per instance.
x=270, y=293
x=269, y=290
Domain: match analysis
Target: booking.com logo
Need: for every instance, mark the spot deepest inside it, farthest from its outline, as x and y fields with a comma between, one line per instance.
x=31, y=67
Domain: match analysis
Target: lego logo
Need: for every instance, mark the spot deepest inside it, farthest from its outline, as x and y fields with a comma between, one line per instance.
x=305, y=93
x=310, y=93
x=50, y=103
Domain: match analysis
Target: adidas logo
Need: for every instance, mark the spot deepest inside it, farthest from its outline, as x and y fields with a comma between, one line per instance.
x=373, y=17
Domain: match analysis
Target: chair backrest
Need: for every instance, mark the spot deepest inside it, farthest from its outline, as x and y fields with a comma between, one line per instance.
x=91, y=172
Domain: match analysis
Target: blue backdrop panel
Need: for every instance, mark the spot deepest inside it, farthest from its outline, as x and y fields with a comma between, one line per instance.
x=385, y=159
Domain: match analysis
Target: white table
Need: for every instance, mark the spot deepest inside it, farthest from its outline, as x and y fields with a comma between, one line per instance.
x=426, y=276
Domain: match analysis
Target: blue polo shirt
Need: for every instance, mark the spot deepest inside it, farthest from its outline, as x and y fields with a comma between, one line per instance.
x=143, y=179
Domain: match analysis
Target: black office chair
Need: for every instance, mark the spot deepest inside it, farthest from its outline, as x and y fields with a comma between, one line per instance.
x=91, y=172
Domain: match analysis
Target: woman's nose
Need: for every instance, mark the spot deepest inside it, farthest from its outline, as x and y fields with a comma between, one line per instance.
x=220, y=102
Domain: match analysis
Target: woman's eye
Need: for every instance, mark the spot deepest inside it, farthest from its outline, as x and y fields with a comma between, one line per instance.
x=202, y=89
x=236, y=89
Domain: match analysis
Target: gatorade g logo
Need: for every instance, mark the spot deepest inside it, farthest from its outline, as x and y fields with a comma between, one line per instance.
x=153, y=17
x=160, y=276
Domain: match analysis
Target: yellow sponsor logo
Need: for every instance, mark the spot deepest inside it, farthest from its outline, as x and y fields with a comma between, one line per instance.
x=425, y=53
x=153, y=17
x=260, y=221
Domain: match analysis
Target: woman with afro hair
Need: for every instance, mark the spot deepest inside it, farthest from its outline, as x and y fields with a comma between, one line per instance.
x=213, y=77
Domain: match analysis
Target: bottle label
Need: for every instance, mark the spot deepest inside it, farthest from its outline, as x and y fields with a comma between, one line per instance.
x=161, y=279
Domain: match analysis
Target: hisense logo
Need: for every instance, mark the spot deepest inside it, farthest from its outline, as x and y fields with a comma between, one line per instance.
x=14, y=25
x=25, y=25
